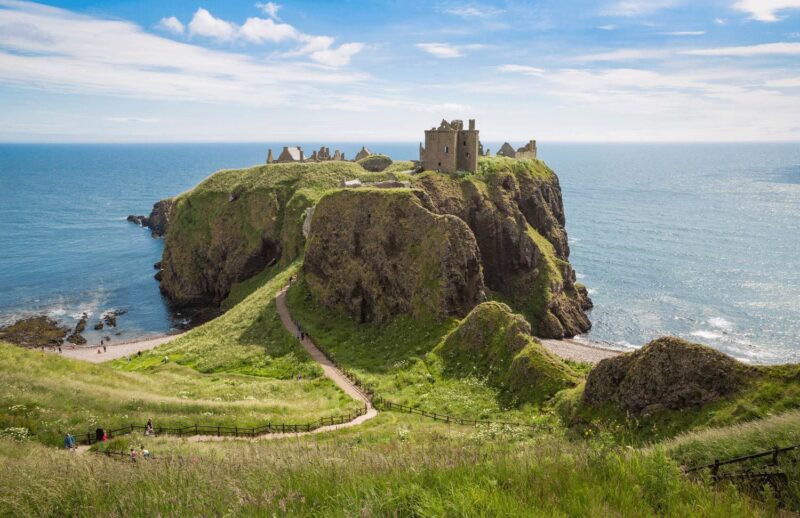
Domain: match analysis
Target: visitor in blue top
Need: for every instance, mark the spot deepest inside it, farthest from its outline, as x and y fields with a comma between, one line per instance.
x=69, y=441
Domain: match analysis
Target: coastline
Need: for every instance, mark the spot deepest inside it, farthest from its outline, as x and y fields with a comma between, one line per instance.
x=115, y=351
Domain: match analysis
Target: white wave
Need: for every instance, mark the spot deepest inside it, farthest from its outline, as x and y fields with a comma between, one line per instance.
x=720, y=323
x=591, y=291
x=580, y=275
x=708, y=335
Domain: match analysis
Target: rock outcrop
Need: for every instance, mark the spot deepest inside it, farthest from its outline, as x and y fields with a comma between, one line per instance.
x=375, y=163
x=379, y=253
x=666, y=374
x=157, y=221
x=496, y=344
x=237, y=222
x=514, y=208
x=76, y=337
x=36, y=331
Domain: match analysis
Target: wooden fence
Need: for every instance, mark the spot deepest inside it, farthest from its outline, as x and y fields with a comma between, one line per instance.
x=766, y=473
x=221, y=431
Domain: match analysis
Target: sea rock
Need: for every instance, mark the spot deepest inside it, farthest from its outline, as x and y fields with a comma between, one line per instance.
x=379, y=254
x=76, y=337
x=98, y=326
x=495, y=344
x=375, y=163
x=666, y=374
x=110, y=317
x=157, y=266
x=35, y=331
x=158, y=221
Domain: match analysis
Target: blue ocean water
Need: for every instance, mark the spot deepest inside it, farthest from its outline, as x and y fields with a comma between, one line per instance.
x=695, y=240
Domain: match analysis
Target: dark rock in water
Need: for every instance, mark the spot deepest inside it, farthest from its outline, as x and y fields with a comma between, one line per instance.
x=157, y=265
x=107, y=338
x=142, y=221
x=34, y=332
x=98, y=326
x=666, y=374
x=158, y=221
x=158, y=276
x=110, y=317
x=76, y=337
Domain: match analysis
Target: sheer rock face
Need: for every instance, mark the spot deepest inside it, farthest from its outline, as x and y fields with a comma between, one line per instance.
x=377, y=254
x=666, y=374
x=518, y=221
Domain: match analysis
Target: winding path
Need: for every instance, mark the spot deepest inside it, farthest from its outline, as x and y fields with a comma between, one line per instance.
x=330, y=371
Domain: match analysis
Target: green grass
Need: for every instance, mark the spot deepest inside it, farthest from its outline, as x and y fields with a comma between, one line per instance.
x=398, y=360
x=239, y=369
x=395, y=467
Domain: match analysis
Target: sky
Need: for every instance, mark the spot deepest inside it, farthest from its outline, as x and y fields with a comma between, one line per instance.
x=384, y=70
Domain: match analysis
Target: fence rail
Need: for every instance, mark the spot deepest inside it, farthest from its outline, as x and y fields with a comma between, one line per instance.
x=219, y=430
x=773, y=453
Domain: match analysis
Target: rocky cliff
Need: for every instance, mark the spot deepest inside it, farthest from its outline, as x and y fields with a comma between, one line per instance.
x=378, y=253
x=237, y=222
x=514, y=209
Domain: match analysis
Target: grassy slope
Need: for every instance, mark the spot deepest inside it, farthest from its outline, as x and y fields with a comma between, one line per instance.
x=394, y=466
x=399, y=361
x=236, y=369
x=775, y=390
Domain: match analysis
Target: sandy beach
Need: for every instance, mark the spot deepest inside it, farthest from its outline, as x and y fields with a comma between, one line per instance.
x=572, y=349
x=115, y=351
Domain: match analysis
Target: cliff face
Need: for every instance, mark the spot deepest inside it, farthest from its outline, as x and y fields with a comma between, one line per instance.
x=515, y=211
x=237, y=222
x=379, y=253
x=364, y=248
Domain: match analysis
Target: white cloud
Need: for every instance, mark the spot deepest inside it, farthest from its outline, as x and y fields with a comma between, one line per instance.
x=785, y=49
x=64, y=57
x=683, y=33
x=337, y=57
x=720, y=21
x=624, y=55
x=270, y=9
x=446, y=50
x=638, y=7
x=473, y=11
x=607, y=27
x=171, y=24
x=205, y=24
x=765, y=10
x=260, y=30
x=521, y=69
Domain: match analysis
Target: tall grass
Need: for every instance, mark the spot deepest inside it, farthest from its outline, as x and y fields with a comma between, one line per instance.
x=398, y=469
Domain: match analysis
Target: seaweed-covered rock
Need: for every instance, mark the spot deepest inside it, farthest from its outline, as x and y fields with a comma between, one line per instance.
x=35, y=331
x=375, y=163
x=496, y=344
x=379, y=253
x=666, y=374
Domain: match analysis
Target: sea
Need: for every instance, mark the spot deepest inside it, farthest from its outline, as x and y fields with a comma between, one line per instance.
x=700, y=241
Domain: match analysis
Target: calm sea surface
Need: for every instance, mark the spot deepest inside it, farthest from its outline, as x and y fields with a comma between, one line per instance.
x=696, y=240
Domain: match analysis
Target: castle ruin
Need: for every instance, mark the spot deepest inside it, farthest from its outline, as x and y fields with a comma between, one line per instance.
x=450, y=147
x=525, y=152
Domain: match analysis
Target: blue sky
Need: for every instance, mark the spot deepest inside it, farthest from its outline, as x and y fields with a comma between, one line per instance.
x=610, y=70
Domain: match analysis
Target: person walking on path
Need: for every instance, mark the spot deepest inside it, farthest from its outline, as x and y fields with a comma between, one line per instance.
x=69, y=441
x=133, y=454
x=145, y=452
x=148, y=428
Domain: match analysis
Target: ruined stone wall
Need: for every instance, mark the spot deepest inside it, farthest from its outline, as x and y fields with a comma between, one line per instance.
x=441, y=151
x=467, y=159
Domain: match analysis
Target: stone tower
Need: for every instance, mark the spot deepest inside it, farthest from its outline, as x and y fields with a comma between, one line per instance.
x=450, y=147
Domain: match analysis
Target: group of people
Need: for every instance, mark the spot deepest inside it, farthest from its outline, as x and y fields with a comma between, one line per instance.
x=145, y=453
